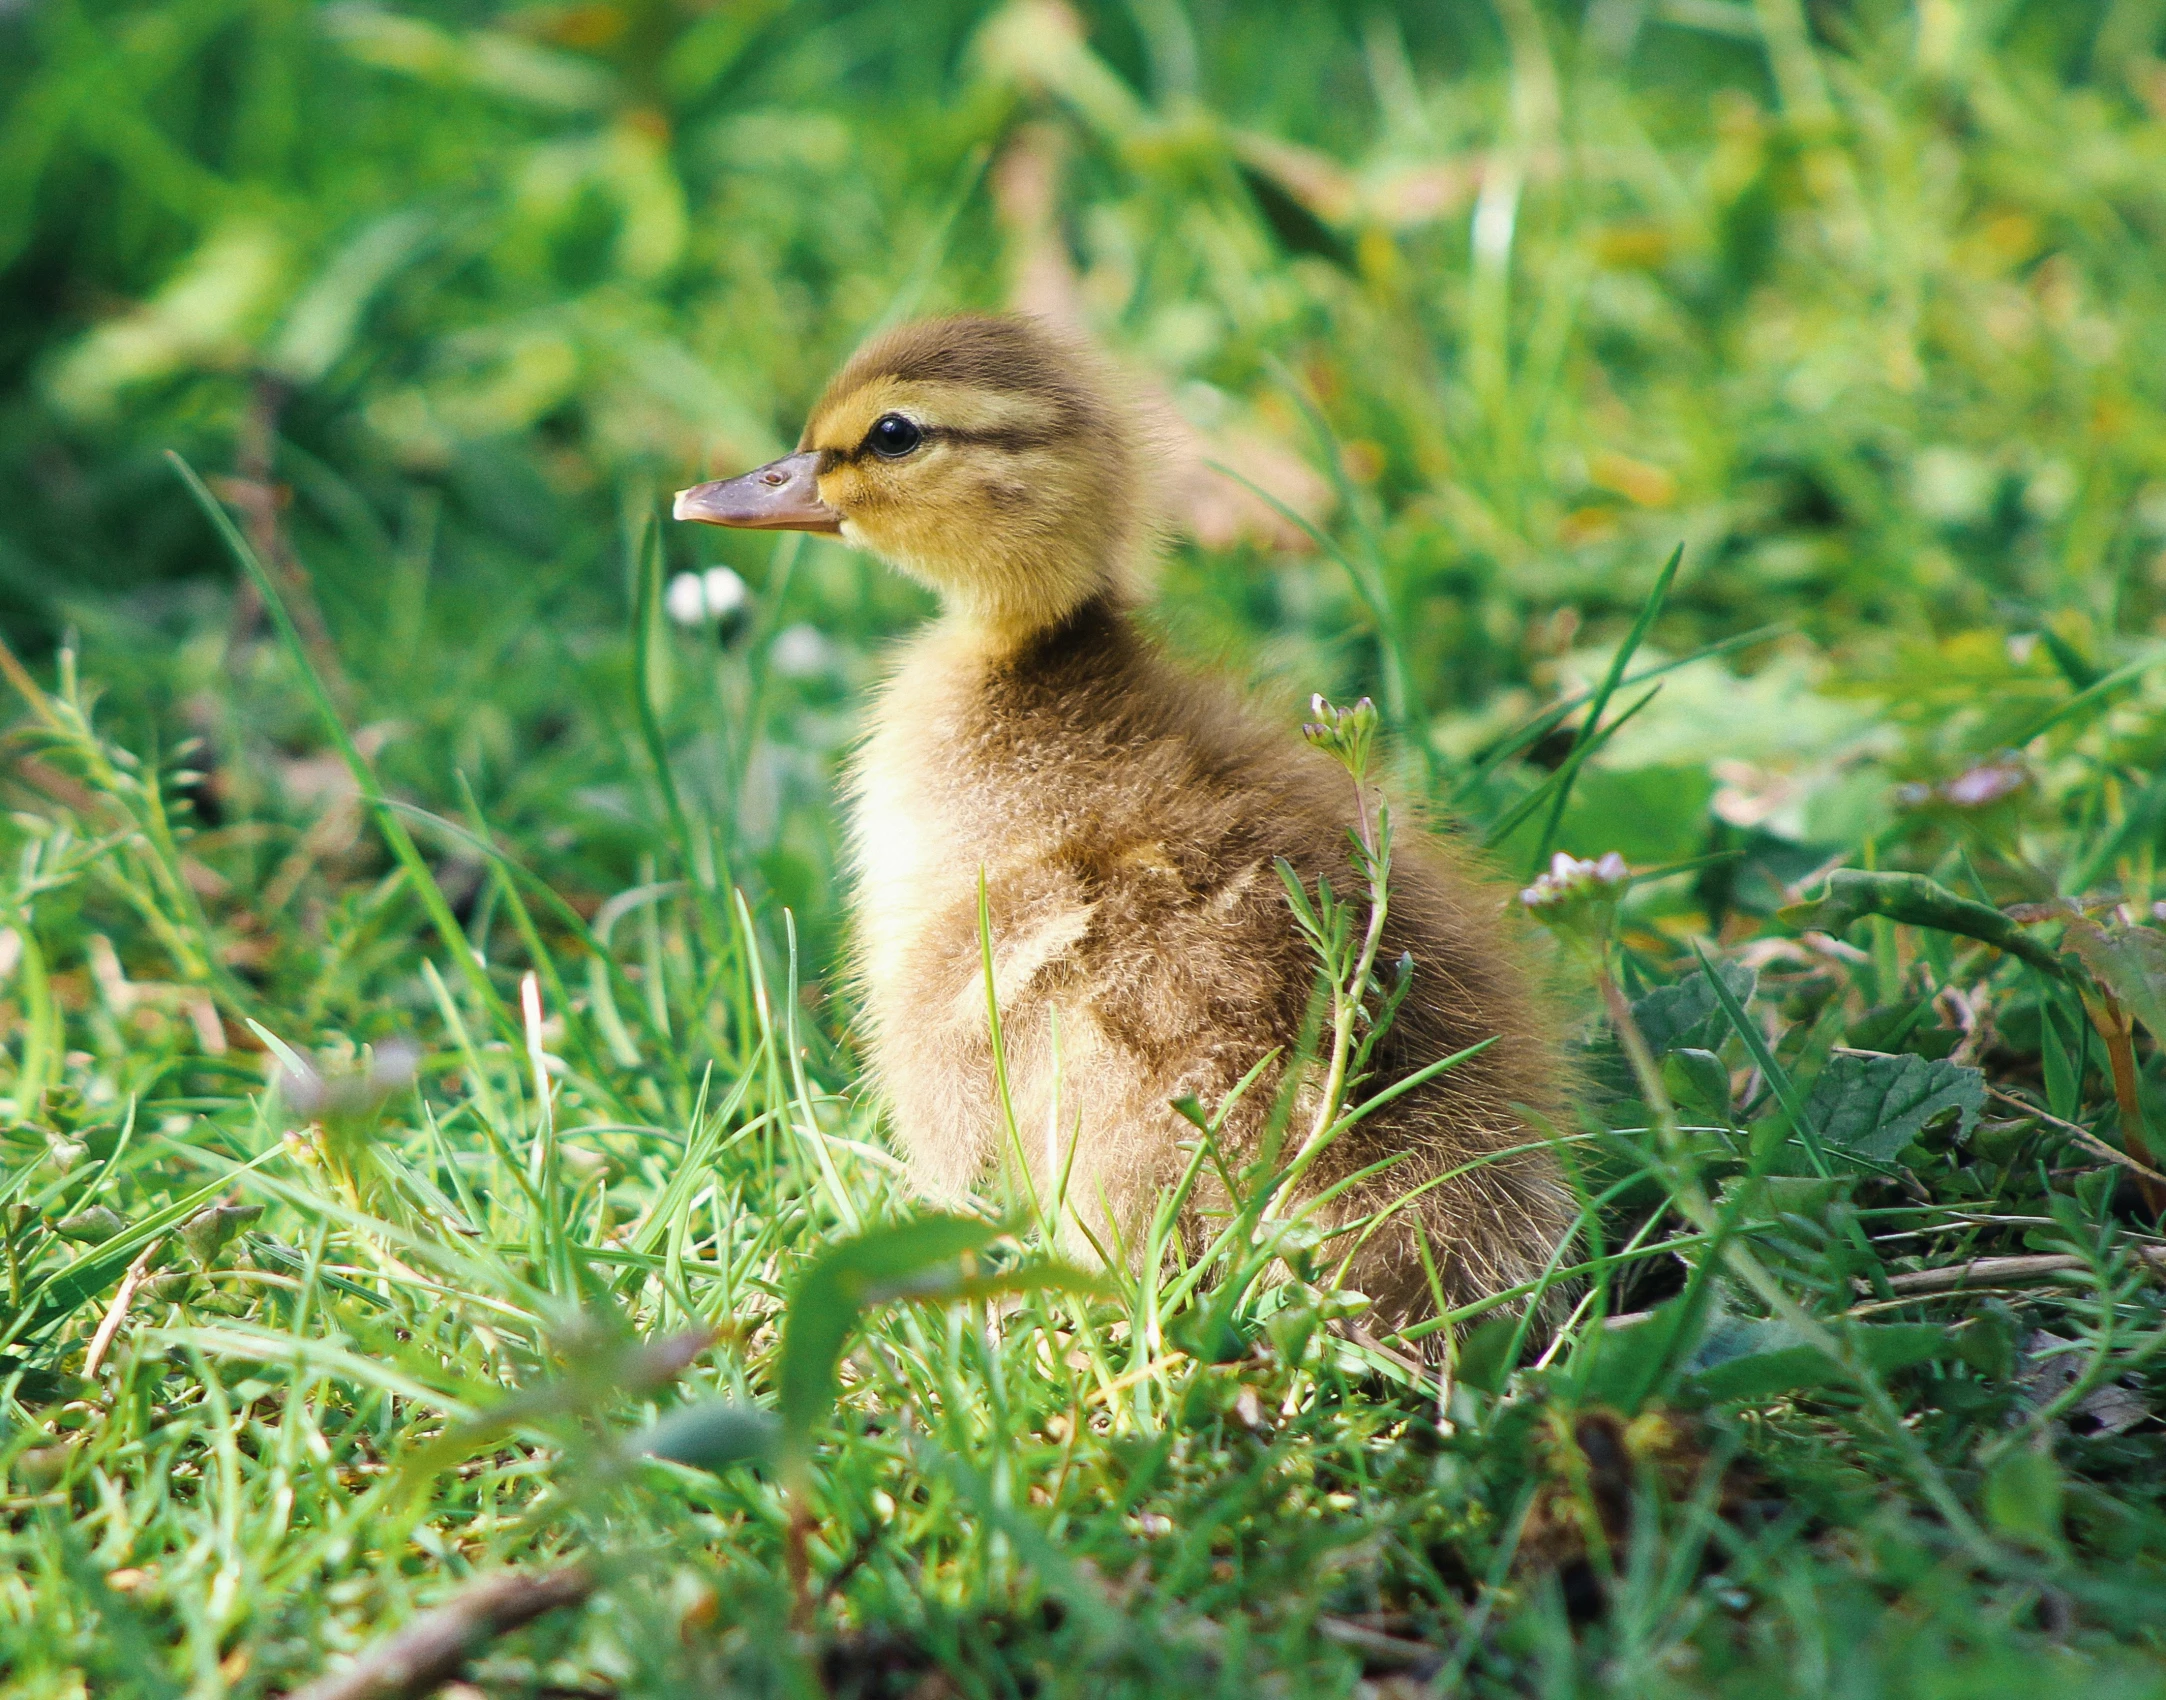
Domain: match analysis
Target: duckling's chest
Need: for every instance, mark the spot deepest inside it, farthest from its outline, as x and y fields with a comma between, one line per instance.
x=939, y=796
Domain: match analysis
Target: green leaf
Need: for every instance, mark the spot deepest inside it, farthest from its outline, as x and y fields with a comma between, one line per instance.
x=1987, y=1342
x=2023, y=1497
x=836, y=1288
x=1870, y=1107
x=713, y=1435
x=93, y=1226
x=2130, y=962
x=2063, y=1055
x=1688, y=1015
x=1745, y=1359
x=1648, y=815
x=1852, y=894
x=1808, y=1196
x=205, y=1233
x=1777, y=1077
x=1621, y=1364
x=2074, y=666
x=1697, y=1077
x=1485, y=1356
x=914, y=1260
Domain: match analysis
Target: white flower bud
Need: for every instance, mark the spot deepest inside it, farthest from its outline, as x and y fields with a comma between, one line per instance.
x=685, y=601
x=801, y=652
x=725, y=592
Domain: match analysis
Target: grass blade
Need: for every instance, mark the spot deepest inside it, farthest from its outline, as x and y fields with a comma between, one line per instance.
x=1584, y=746
x=393, y=830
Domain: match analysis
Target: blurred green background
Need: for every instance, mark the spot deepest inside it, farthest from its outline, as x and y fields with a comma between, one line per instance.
x=1860, y=302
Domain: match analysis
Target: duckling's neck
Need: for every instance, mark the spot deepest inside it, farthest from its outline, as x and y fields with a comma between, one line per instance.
x=1009, y=636
x=1003, y=598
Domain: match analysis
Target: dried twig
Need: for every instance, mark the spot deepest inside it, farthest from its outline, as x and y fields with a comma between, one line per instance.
x=2083, y=1136
x=1348, y=1329
x=116, y=1313
x=1377, y=1649
x=2001, y=1271
x=432, y=1649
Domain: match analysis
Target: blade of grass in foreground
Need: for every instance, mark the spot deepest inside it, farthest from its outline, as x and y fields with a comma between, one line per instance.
x=1777, y=1077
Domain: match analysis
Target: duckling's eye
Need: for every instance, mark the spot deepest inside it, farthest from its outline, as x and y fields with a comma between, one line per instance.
x=892, y=436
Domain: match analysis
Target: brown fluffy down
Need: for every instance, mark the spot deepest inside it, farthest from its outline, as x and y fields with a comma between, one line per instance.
x=1127, y=819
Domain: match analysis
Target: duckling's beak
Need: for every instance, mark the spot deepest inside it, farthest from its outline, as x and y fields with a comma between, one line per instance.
x=783, y=495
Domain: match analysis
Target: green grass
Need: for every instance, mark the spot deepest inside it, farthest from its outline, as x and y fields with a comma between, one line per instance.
x=474, y=940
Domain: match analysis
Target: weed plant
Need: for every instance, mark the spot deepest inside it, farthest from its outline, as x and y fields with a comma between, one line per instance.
x=431, y=1144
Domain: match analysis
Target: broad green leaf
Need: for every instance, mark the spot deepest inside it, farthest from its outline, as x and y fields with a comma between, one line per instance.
x=1872, y=1106
x=1484, y=1358
x=2023, y=1497
x=1744, y=1359
x=1697, y=1077
x=838, y=1286
x=1622, y=1364
x=713, y=1435
x=1688, y=1015
x=914, y=1260
x=1803, y=1195
x=2130, y=962
x=1648, y=815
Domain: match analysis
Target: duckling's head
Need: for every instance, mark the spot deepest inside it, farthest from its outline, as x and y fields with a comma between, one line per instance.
x=992, y=458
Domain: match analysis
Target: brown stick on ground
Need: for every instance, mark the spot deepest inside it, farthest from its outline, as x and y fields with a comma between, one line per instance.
x=117, y=1313
x=436, y=1646
x=2000, y=1271
x=2083, y=1136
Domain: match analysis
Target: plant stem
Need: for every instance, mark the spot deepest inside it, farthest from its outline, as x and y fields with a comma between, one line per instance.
x=1644, y=1067
x=798, y=1564
x=2115, y=1027
x=1347, y=994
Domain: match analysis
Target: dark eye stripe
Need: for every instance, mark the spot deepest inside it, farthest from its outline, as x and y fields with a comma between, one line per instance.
x=1012, y=439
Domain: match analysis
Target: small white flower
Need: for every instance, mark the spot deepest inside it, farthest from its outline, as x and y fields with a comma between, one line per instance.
x=1575, y=888
x=800, y=652
x=685, y=601
x=694, y=598
x=725, y=592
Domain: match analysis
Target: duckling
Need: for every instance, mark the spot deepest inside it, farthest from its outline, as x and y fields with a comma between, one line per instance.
x=1122, y=819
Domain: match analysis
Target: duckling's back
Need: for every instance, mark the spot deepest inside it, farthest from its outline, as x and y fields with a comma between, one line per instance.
x=1125, y=820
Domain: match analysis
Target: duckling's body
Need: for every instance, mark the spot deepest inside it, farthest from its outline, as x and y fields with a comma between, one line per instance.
x=1125, y=819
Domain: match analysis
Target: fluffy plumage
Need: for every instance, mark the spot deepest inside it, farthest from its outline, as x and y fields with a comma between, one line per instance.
x=1124, y=818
